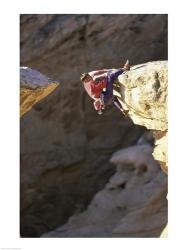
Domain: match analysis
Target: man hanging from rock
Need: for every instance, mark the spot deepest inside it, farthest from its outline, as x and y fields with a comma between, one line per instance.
x=99, y=86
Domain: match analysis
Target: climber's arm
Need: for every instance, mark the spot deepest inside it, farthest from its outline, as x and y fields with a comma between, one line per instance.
x=115, y=73
x=111, y=77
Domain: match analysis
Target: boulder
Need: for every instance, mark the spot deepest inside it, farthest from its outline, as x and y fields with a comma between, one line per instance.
x=143, y=91
x=132, y=204
x=34, y=86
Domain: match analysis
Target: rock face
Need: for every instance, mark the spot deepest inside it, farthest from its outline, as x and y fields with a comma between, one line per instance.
x=132, y=204
x=54, y=161
x=64, y=143
x=143, y=91
x=160, y=152
x=33, y=87
x=64, y=46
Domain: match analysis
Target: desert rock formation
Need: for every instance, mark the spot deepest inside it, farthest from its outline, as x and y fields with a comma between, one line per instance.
x=65, y=146
x=133, y=203
x=33, y=87
x=144, y=91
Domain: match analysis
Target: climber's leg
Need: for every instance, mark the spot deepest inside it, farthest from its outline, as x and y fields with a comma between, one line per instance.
x=119, y=106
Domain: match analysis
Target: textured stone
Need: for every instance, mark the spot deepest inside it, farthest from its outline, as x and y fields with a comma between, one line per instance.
x=64, y=143
x=144, y=92
x=64, y=46
x=33, y=87
x=132, y=204
x=160, y=152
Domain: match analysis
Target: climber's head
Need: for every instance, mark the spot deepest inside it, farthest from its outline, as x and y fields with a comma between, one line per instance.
x=85, y=77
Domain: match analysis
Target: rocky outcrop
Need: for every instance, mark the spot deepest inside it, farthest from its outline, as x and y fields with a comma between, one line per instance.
x=33, y=87
x=143, y=92
x=64, y=143
x=132, y=204
x=50, y=171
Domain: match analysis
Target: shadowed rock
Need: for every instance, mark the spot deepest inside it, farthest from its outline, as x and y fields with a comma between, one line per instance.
x=132, y=204
x=143, y=91
x=64, y=46
x=64, y=144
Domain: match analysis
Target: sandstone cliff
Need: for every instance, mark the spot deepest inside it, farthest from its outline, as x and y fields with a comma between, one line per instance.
x=133, y=203
x=65, y=151
x=64, y=46
x=143, y=91
x=64, y=143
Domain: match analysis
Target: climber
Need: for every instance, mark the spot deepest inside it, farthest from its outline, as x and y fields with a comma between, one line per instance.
x=99, y=86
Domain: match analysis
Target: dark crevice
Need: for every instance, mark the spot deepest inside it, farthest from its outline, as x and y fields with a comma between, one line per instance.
x=122, y=185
